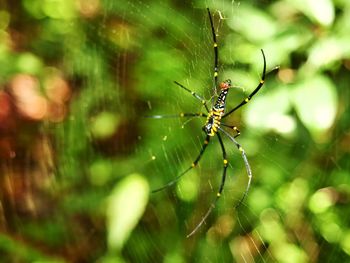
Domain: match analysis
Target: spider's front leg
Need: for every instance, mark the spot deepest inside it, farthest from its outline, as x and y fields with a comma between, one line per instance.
x=247, y=99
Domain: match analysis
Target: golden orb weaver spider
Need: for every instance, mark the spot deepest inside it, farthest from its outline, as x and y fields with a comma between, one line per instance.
x=213, y=126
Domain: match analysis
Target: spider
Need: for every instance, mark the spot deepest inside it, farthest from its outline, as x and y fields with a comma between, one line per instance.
x=214, y=126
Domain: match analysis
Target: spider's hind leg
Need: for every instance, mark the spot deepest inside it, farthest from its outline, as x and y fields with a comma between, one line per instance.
x=194, y=164
x=232, y=127
x=246, y=163
x=219, y=192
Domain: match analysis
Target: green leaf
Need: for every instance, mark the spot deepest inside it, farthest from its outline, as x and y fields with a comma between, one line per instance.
x=247, y=21
x=315, y=101
x=327, y=51
x=321, y=201
x=104, y=125
x=345, y=243
x=320, y=11
x=270, y=111
x=126, y=205
x=29, y=63
x=100, y=172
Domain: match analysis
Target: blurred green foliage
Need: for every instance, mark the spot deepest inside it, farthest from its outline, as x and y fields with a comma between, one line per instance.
x=78, y=157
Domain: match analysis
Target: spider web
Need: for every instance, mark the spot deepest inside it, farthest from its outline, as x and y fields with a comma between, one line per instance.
x=161, y=149
x=178, y=142
x=79, y=80
x=256, y=231
x=167, y=147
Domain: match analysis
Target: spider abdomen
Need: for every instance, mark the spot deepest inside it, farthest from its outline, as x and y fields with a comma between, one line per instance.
x=212, y=124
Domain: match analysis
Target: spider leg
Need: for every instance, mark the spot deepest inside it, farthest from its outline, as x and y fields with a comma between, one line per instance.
x=180, y=115
x=216, y=50
x=194, y=164
x=218, y=194
x=233, y=128
x=247, y=99
x=198, y=97
x=246, y=163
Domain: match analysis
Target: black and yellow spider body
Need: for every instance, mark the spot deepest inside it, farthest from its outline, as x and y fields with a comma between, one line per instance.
x=214, y=126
